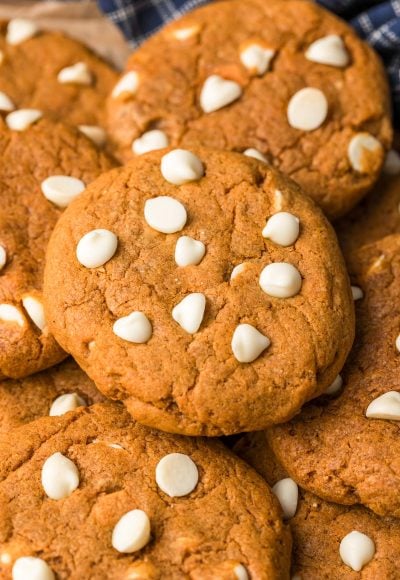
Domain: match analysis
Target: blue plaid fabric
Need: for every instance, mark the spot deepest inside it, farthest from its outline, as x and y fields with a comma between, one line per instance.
x=378, y=22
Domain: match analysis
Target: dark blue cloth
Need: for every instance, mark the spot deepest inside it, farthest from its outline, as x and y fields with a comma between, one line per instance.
x=376, y=21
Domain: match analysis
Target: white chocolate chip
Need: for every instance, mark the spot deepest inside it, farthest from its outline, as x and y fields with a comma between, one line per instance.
x=60, y=476
x=307, y=109
x=30, y=568
x=77, y=74
x=176, y=474
x=218, y=92
x=237, y=270
x=282, y=228
x=357, y=293
x=180, y=166
x=185, y=33
x=358, y=146
x=65, y=403
x=280, y=280
x=256, y=58
x=397, y=343
x=165, y=214
x=135, y=327
x=132, y=532
x=335, y=387
x=356, y=550
x=96, y=134
x=150, y=141
x=287, y=492
x=127, y=85
x=3, y=257
x=6, y=103
x=248, y=343
x=392, y=163
x=278, y=200
x=189, y=252
x=61, y=189
x=10, y=313
x=5, y=558
x=189, y=312
x=328, y=50
x=256, y=154
x=96, y=248
x=19, y=30
x=240, y=572
x=22, y=119
x=387, y=406
x=35, y=310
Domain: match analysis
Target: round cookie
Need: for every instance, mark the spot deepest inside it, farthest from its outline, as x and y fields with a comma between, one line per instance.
x=53, y=73
x=346, y=449
x=218, y=519
x=229, y=324
x=296, y=87
x=27, y=217
x=53, y=391
x=321, y=530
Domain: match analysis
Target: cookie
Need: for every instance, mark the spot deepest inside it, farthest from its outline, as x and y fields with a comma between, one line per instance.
x=52, y=392
x=377, y=216
x=42, y=168
x=188, y=281
x=53, y=73
x=346, y=449
x=295, y=87
x=330, y=541
x=94, y=495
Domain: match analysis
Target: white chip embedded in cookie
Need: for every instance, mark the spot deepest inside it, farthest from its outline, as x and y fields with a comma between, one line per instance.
x=386, y=406
x=280, y=280
x=150, y=141
x=188, y=251
x=3, y=257
x=60, y=476
x=287, y=492
x=96, y=134
x=65, y=403
x=189, y=312
x=282, y=228
x=10, y=313
x=30, y=568
x=177, y=474
x=62, y=189
x=165, y=214
x=127, y=85
x=356, y=550
x=256, y=154
x=96, y=248
x=256, y=58
x=307, y=109
x=248, y=343
x=35, y=309
x=19, y=30
x=22, y=119
x=335, y=386
x=135, y=327
x=218, y=92
x=6, y=103
x=357, y=293
x=362, y=150
x=76, y=74
x=132, y=532
x=180, y=166
x=329, y=50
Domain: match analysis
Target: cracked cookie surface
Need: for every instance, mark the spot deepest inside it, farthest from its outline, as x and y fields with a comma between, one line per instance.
x=253, y=358
x=26, y=221
x=227, y=77
x=332, y=447
x=229, y=522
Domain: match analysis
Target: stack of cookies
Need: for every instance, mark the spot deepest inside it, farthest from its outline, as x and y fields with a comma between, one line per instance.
x=170, y=275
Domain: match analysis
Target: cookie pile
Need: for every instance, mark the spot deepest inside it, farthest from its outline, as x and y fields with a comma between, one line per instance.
x=169, y=230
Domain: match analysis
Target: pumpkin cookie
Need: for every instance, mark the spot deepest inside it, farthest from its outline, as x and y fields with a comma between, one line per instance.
x=295, y=87
x=94, y=495
x=330, y=541
x=347, y=449
x=55, y=74
x=189, y=280
x=52, y=392
x=42, y=168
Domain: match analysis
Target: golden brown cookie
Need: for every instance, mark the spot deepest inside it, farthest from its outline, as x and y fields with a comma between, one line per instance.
x=346, y=449
x=53, y=73
x=323, y=532
x=296, y=86
x=30, y=206
x=52, y=392
x=212, y=307
x=95, y=495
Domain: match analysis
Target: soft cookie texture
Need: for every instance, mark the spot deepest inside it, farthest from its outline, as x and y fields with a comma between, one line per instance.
x=321, y=529
x=53, y=391
x=296, y=87
x=346, y=449
x=234, y=341
x=27, y=218
x=54, y=73
x=91, y=494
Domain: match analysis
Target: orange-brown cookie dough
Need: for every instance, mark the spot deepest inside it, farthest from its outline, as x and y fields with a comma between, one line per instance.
x=54, y=391
x=347, y=449
x=53, y=73
x=322, y=531
x=212, y=307
x=95, y=495
x=294, y=85
x=27, y=217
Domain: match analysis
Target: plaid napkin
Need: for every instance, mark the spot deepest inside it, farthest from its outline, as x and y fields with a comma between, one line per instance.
x=378, y=22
